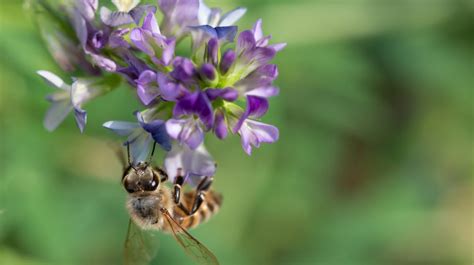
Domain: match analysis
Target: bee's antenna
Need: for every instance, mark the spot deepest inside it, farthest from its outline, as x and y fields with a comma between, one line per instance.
x=152, y=152
x=128, y=154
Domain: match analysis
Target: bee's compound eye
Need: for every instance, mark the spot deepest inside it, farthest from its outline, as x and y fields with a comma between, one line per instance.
x=129, y=186
x=152, y=184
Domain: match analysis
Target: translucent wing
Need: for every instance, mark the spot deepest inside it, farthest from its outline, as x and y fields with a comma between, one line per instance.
x=117, y=148
x=140, y=246
x=193, y=248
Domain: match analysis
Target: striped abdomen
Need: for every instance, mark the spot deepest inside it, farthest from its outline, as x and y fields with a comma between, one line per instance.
x=209, y=207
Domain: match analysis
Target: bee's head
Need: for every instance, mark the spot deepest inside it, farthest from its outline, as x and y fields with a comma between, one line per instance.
x=140, y=178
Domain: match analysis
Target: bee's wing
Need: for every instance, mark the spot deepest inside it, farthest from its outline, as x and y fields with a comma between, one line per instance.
x=193, y=248
x=140, y=246
x=119, y=152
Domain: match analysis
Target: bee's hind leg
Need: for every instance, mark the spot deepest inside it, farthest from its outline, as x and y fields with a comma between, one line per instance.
x=201, y=189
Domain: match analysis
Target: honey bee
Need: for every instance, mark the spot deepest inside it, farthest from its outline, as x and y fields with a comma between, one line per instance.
x=154, y=206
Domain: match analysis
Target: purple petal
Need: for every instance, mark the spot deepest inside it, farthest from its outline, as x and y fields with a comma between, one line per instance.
x=206, y=29
x=137, y=12
x=147, y=87
x=262, y=55
x=193, y=136
x=208, y=72
x=253, y=133
x=227, y=60
x=278, y=47
x=195, y=103
x=261, y=77
x=227, y=94
x=99, y=40
x=256, y=107
x=245, y=41
x=263, y=92
x=263, y=42
x=56, y=114
x=117, y=40
x=220, y=126
x=184, y=70
x=115, y=18
x=168, y=51
x=213, y=51
x=81, y=118
x=226, y=33
x=220, y=33
x=233, y=16
x=147, y=77
x=150, y=24
x=87, y=8
x=135, y=66
x=157, y=129
x=178, y=15
x=185, y=131
x=138, y=38
x=257, y=29
x=168, y=89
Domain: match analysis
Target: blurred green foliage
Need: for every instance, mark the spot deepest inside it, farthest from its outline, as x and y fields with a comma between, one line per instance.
x=374, y=164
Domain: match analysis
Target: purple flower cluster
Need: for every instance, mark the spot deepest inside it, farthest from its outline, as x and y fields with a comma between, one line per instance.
x=222, y=86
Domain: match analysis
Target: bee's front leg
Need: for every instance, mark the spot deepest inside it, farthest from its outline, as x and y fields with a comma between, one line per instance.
x=161, y=173
x=178, y=182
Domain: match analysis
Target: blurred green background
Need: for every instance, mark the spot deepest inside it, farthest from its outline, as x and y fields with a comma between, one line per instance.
x=374, y=164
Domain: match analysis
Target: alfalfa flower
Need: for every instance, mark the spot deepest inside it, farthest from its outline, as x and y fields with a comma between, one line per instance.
x=140, y=135
x=192, y=117
x=220, y=88
x=71, y=98
x=149, y=40
x=128, y=11
x=194, y=163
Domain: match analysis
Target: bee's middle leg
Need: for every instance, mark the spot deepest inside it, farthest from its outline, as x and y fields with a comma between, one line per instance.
x=178, y=183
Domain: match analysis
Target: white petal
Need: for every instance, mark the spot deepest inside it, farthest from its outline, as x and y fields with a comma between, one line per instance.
x=174, y=160
x=264, y=92
x=199, y=161
x=203, y=13
x=196, y=162
x=265, y=133
x=174, y=127
x=56, y=114
x=85, y=89
x=230, y=18
x=53, y=80
x=125, y=5
x=122, y=128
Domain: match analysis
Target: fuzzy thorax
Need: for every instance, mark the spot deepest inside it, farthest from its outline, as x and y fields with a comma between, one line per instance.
x=144, y=208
